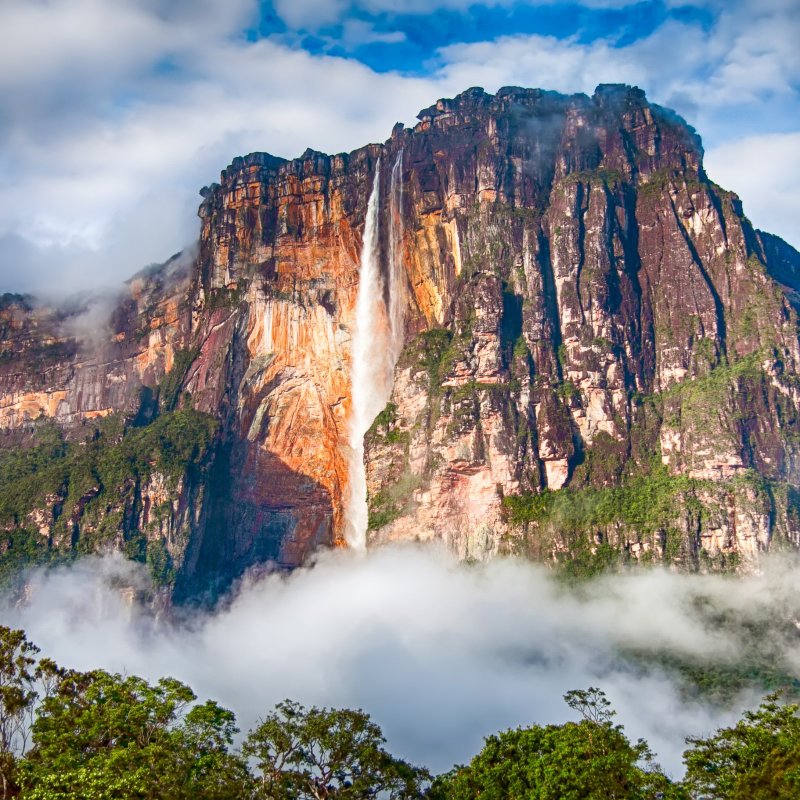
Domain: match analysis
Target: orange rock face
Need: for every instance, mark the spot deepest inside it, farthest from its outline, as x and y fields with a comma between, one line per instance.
x=275, y=294
x=48, y=371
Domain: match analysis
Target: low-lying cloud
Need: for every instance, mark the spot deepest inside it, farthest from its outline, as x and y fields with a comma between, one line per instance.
x=439, y=653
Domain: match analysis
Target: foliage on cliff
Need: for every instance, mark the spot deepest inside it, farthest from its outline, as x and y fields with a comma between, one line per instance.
x=61, y=497
x=650, y=503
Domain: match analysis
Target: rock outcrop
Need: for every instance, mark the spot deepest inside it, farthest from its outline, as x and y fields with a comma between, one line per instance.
x=600, y=357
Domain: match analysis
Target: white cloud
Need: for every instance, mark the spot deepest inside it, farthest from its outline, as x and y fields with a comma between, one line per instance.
x=312, y=14
x=117, y=112
x=104, y=198
x=440, y=654
x=49, y=44
x=701, y=74
x=540, y=61
x=356, y=32
x=765, y=171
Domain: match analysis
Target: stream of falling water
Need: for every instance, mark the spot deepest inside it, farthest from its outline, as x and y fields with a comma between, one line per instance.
x=377, y=341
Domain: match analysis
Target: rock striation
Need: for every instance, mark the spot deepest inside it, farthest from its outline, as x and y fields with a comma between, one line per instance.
x=599, y=359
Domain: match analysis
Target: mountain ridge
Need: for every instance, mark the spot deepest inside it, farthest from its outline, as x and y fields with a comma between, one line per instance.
x=577, y=295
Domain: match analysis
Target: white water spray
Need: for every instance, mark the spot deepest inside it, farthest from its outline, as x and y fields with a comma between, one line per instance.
x=366, y=372
x=377, y=341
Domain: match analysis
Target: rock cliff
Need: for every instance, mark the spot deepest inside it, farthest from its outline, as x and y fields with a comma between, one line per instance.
x=598, y=360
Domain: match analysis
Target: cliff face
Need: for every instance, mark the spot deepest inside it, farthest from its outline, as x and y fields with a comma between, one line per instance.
x=599, y=359
x=52, y=367
x=608, y=319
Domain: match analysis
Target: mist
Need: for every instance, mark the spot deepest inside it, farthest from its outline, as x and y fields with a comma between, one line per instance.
x=57, y=266
x=440, y=654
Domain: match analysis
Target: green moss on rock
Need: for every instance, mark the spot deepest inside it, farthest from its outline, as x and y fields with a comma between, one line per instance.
x=392, y=501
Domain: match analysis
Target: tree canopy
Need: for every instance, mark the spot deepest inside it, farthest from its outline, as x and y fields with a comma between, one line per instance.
x=756, y=759
x=68, y=735
x=587, y=760
x=321, y=754
x=100, y=736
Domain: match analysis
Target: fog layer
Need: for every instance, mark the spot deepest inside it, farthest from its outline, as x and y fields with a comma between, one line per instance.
x=439, y=653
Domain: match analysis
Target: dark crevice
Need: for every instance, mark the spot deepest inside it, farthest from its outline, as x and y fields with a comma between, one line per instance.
x=718, y=307
x=550, y=300
x=511, y=324
x=643, y=326
x=579, y=213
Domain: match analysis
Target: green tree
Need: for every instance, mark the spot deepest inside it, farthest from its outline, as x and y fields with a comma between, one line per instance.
x=587, y=760
x=592, y=704
x=321, y=754
x=757, y=759
x=110, y=737
x=202, y=745
x=23, y=677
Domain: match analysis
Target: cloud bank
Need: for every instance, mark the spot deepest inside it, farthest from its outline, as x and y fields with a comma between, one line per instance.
x=439, y=653
x=115, y=113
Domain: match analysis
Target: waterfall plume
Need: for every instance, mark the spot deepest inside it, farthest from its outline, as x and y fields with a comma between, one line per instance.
x=377, y=342
x=367, y=372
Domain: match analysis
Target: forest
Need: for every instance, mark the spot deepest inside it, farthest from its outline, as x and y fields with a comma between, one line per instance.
x=70, y=735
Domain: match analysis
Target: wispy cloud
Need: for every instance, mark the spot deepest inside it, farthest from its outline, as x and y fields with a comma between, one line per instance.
x=316, y=14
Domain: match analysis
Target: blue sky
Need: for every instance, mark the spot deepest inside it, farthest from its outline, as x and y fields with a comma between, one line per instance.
x=115, y=112
x=408, y=42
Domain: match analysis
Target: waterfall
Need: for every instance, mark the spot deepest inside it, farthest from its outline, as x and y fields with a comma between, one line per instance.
x=377, y=342
x=367, y=372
